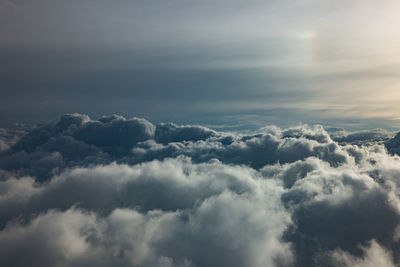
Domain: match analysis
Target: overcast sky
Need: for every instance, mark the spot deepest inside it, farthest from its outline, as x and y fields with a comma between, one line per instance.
x=210, y=62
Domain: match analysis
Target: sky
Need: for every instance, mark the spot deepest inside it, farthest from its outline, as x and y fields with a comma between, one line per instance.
x=232, y=63
x=182, y=133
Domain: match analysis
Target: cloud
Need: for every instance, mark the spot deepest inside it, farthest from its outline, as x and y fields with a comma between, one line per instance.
x=375, y=255
x=254, y=150
x=10, y=136
x=125, y=192
x=207, y=215
x=3, y=146
x=393, y=145
x=115, y=132
x=76, y=140
x=169, y=132
x=362, y=137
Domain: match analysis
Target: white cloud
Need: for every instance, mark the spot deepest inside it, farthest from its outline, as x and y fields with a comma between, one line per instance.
x=190, y=196
x=375, y=255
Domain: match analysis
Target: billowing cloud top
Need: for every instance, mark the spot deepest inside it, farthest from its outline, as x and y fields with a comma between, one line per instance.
x=125, y=192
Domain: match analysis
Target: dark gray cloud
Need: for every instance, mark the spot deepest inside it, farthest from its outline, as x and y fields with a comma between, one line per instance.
x=393, y=145
x=362, y=137
x=117, y=191
x=76, y=140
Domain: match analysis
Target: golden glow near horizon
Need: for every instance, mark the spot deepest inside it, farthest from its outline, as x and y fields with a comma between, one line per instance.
x=356, y=54
x=342, y=56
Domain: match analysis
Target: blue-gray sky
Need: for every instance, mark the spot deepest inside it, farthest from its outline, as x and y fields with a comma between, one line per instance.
x=212, y=62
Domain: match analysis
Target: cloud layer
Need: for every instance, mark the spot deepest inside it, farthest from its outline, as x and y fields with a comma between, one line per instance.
x=125, y=192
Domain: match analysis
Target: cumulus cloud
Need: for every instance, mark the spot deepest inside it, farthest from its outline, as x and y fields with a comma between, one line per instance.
x=393, y=145
x=169, y=132
x=375, y=255
x=125, y=192
x=10, y=136
x=75, y=139
x=3, y=146
x=206, y=215
x=365, y=137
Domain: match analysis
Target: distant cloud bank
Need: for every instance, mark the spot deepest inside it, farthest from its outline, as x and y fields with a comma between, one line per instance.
x=126, y=192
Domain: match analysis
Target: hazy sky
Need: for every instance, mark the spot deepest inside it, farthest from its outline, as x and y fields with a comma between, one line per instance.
x=231, y=62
